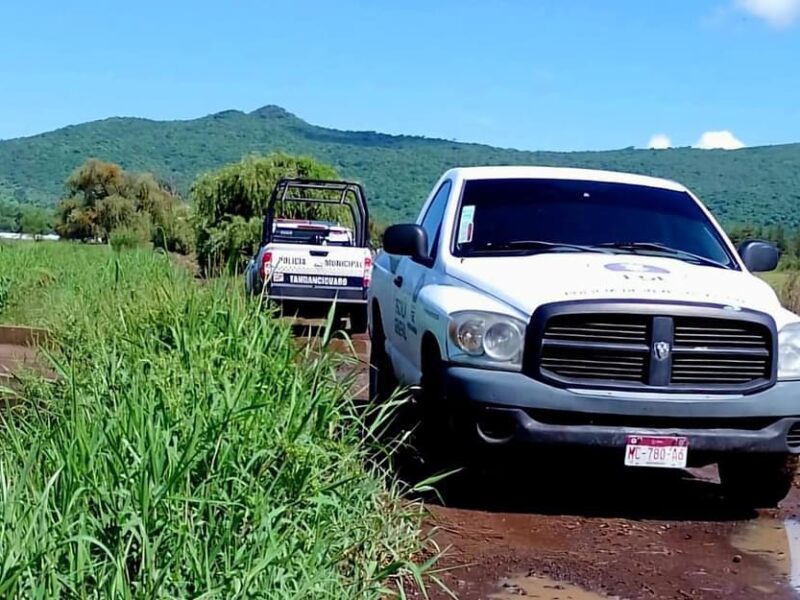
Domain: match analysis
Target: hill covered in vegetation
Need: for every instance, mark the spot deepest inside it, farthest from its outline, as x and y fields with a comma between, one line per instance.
x=759, y=185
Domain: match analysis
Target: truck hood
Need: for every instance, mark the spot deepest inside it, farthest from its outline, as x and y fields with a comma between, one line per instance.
x=528, y=282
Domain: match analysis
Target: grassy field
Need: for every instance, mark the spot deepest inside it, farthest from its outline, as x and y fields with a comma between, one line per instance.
x=189, y=451
x=787, y=286
x=777, y=279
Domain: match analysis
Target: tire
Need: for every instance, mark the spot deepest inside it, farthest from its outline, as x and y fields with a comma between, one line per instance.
x=358, y=320
x=758, y=481
x=442, y=448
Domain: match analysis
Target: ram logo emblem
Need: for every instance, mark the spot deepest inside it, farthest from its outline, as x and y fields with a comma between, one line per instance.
x=661, y=350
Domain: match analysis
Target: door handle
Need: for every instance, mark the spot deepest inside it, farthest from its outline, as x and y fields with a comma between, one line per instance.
x=398, y=281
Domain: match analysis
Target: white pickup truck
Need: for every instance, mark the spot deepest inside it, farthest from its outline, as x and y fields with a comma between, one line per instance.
x=543, y=307
x=306, y=265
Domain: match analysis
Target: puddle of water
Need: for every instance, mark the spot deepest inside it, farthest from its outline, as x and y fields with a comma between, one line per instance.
x=778, y=542
x=544, y=588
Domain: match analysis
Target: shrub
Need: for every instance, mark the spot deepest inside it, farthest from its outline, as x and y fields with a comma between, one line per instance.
x=173, y=232
x=103, y=198
x=127, y=238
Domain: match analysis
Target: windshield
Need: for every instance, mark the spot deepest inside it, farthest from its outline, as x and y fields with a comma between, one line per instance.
x=512, y=216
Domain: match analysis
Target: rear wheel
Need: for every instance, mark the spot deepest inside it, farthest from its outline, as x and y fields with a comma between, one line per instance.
x=758, y=481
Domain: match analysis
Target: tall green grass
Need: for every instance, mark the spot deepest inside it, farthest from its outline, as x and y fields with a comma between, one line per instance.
x=47, y=280
x=190, y=450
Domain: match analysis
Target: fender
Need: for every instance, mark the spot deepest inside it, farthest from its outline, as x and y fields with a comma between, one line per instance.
x=435, y=304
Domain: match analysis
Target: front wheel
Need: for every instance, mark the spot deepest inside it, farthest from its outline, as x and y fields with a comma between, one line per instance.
x=758, y=481
x=440, y=441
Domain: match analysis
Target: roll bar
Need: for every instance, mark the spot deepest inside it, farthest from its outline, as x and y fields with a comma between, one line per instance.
x=349, y=193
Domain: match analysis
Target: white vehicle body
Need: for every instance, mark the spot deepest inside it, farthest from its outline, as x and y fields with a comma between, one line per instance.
x=517, y=286
x=332, y=264
x=417, y=304
x=329, y=268
x=312, y=265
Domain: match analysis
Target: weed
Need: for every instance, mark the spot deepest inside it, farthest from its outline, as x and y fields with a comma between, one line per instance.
x=790, y=292
x=189, y=450
x=5, y=288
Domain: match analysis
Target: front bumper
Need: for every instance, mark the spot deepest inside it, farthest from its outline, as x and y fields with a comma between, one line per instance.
x=496, y=408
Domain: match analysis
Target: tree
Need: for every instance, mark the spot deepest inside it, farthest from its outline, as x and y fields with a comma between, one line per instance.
x=95, y=180
x=34, y=221
x=74, y=220
x=9, y=216
x=778, y=236
x=103, y=198
x=230, y=203
x=794, y=246
x=22, y=218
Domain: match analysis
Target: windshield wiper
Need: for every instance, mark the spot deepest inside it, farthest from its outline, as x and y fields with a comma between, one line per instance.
x=664, y=249
x=538, y=245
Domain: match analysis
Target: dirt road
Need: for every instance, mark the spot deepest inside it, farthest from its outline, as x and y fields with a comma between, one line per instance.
x=18, y=354
x=582, y=532
x=619, y=536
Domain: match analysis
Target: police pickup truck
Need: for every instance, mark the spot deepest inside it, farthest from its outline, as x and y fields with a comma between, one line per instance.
x=570, y=308
x=312, y=263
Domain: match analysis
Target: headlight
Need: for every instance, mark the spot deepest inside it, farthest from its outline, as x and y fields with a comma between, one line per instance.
x=486, y=339
x=789, y=352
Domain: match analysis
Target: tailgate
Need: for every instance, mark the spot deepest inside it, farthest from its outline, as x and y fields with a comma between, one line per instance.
x=320, y=266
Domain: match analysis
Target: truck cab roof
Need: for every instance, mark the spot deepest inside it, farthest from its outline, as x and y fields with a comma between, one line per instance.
x=539, y=172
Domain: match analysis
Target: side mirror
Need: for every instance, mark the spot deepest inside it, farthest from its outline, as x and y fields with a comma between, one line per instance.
x=407, y=240
x=759, y=256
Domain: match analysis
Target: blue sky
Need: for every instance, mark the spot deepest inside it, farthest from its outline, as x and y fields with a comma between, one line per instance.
x=552, y=75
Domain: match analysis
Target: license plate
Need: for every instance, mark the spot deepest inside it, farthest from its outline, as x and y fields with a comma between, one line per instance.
x=656, y=451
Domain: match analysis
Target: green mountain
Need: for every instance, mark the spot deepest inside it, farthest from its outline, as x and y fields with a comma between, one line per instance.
x=761, y=185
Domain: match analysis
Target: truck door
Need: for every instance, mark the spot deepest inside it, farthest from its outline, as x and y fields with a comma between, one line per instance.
x=409, y=279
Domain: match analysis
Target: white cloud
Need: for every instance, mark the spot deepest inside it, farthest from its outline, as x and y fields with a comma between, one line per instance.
x=777, y=13
x=659, y=141
x=724, y=140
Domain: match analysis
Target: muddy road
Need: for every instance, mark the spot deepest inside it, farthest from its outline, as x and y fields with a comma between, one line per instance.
x=584, y=531
x=619, y=535
x=18, y=354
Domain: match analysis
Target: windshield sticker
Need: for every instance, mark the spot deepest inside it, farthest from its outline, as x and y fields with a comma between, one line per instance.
x=635, y=268
x=465, y=228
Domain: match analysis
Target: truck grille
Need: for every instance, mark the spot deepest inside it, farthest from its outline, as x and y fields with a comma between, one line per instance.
x=598, y=329
x=588, y=364
x=679, y=353
x=715, y=333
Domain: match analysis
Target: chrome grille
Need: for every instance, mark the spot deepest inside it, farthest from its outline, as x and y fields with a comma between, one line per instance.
x=596, y=347
x=597, y=328
x=715, y=333
x=611, y=349
x=574, y=363
x=686, y=369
